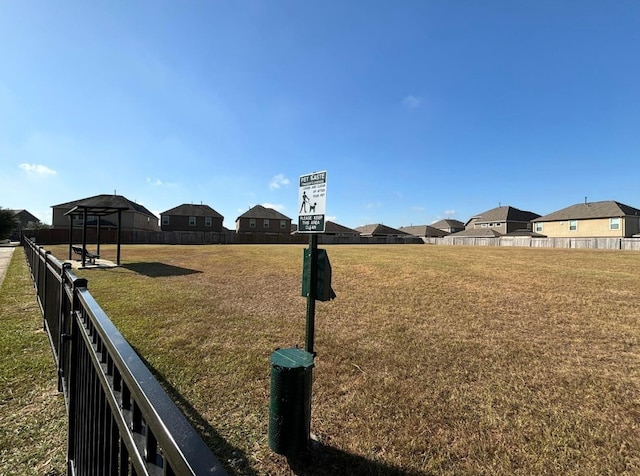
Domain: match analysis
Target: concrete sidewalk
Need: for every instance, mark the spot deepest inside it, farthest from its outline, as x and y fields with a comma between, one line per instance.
x=99, y=264
x=6, y=252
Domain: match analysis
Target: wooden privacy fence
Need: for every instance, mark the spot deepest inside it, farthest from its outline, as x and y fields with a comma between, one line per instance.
x=121, y=421
x=630, y=244
x=53, y=236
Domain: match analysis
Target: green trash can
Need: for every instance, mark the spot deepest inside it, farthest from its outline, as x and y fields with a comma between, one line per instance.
x=290, y=402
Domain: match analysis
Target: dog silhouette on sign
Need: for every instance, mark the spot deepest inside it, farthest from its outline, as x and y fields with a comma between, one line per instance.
x=312, y=208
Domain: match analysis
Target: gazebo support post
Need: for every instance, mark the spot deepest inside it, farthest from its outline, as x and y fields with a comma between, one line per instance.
x=98, y=237
x=118, y=238
x=84, y=236
x=70, y=234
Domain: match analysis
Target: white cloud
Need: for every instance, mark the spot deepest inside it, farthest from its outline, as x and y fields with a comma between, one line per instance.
x=278, y=181
x=159, y=183
x=448, y=213
x=411, y=102
x=280, y=208
x=370, y=206
x=35, y=169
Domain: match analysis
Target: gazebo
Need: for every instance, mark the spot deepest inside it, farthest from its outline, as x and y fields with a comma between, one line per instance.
x=99, y=206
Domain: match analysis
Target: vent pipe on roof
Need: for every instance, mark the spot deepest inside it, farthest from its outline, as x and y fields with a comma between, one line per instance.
x=585, y=201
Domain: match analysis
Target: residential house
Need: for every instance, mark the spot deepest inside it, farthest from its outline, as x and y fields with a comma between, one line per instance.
x=476, y=233
x=608, y=219
x=187, y=217
x=378, y=229
x=524, y=232
x=333, y=233
x=503, y=219
x=378, y=233
x=134, y=217
x=340, y=231
x=449, y=225
x=424, y=231
x=336, y=233
x=261, y=219
x=25, y=220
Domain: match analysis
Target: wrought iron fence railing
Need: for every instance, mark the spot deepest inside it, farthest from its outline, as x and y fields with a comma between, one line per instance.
x=121, y=421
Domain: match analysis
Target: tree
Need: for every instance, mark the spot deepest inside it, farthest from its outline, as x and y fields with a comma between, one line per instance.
x=8, y=223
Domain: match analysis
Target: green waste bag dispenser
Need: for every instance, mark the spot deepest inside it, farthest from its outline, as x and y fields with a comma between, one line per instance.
x=324, y=292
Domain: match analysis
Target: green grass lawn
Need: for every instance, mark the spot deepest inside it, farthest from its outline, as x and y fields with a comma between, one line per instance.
x=432, y=359
x=32, y=412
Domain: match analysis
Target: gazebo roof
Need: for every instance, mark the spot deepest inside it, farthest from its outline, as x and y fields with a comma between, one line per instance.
x=100, y=205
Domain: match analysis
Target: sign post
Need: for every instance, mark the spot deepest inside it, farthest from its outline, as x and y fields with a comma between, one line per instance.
x=292, y=368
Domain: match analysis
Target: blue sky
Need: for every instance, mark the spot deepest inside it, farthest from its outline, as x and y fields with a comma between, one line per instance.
x=417, y=110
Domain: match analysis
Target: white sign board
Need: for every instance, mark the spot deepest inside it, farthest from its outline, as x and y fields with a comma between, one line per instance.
x=312, y=199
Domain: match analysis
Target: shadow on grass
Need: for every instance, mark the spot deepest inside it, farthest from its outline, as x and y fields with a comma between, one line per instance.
x=233, y=459
x=159, y=270
x=322, y=460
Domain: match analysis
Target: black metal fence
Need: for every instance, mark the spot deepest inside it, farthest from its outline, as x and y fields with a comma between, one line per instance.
x=121, y=421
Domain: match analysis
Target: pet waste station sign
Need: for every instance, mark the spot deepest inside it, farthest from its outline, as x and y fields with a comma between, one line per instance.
x=312, y=198
x=292, y=367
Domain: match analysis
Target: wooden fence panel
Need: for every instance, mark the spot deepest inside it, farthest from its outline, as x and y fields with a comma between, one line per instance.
x=631, y=244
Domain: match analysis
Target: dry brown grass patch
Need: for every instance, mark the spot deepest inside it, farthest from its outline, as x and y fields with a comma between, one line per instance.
x=432, y=360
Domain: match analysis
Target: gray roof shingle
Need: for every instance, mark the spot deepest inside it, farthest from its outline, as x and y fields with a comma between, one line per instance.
x=423, y=230
x=332, y=227
x=477, y=233
x=378, y=229
x=448, y=223
x=193, y=211
x=107, y=201
x=261, y=212
x=590, y=210
x=505, y=213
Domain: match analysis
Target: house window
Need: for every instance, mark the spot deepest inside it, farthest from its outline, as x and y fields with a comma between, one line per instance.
x=573, y=225
x=283, y=224
x=165, y=219
x=484, y=225
x=207, y=221
x=498, y=224
x=265, y=224
x=614, y=223
x=192, y=221
x=538, y=226
x=252, y=223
